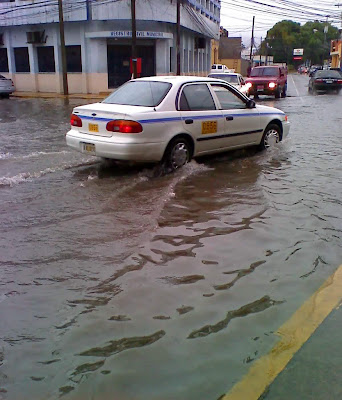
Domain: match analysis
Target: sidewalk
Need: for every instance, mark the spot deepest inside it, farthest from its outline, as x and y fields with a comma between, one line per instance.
x=315, y=371
x=43, y=95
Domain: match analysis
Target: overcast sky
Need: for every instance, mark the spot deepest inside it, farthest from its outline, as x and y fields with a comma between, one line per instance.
x=237, y=15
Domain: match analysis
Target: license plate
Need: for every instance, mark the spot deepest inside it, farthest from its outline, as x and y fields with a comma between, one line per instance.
x=89, y=148
x=209, y=127
x=328, y=81
x=260, y=87
x=93, y=128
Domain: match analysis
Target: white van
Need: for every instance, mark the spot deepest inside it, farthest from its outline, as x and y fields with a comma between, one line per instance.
x=220, y=68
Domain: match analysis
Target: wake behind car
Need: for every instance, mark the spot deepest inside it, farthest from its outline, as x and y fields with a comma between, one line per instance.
x=325, y=80
x=172, y=119
x=6, y=86
x=270, y=80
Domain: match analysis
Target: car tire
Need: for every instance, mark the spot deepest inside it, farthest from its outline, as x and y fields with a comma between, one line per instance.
x=277, y=94
x=177, y=153
x=270, y=137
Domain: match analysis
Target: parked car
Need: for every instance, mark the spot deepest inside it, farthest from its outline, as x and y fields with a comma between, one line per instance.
x=172, y=119
x=220, y=68
x=6, y=86
x=270, y=80
x=234, y=79
x=326, y=80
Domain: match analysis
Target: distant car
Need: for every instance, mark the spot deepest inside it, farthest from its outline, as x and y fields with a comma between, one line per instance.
x=219, y=68
x=326, y=80
x=314, y=68
x=171, y=119
x=234, y=79
x=270, y=80
x=6, y=86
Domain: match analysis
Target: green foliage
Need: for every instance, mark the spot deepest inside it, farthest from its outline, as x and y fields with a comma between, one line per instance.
x=288, y=35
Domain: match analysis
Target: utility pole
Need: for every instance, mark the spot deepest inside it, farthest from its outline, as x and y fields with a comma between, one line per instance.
x=252, y=41
x=63, y=52
x=260, y=49
x=134, y=40
x=178, y=37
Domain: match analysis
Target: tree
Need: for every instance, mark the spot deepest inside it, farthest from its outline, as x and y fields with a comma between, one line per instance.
x=286, y=35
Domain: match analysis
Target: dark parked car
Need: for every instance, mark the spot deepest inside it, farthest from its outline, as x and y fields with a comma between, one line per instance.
x=325, y=80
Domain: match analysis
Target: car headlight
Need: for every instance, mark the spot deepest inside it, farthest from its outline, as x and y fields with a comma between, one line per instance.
x=248, y=85
x=272, y=85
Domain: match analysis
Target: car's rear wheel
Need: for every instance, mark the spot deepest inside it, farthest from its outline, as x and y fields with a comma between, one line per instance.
x=270, y=137
x=178, y=153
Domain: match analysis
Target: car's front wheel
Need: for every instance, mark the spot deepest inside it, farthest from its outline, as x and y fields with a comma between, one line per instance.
x=270, y=137
x=178, y=153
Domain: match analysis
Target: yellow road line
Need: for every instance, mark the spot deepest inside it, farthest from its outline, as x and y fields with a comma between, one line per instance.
x=294, y=333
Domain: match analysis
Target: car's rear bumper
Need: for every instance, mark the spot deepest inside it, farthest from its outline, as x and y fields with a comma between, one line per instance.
x=327, y=86
x=8, y=90
x=107, y=147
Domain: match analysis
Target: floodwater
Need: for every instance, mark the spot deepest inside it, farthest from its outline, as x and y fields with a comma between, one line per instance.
x=117, y=283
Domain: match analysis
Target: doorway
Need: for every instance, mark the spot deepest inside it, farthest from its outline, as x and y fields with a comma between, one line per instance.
x=118, y=60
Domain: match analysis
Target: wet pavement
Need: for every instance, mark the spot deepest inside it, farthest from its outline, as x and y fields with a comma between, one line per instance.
x=119, y=284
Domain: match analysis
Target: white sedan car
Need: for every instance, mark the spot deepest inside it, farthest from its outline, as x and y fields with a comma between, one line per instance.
x=234, y=79
x=172, y=119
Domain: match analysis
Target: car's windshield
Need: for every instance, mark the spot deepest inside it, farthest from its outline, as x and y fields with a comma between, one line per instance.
x=228, y=78
x=266, y=71
x=139, y=93
x=327, y=74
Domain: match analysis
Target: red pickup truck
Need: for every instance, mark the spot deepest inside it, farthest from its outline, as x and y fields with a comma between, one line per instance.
x=270, y=80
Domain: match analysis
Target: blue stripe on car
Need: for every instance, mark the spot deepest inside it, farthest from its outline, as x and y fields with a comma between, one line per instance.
x=173, y=119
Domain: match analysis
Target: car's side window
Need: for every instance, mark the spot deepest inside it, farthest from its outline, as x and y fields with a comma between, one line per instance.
x=196, y=97
x=228, y=99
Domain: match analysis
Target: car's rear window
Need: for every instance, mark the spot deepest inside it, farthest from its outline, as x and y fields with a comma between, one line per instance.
x=228, y=78
x=139, y=93
x=267, y=71
x=327, y=74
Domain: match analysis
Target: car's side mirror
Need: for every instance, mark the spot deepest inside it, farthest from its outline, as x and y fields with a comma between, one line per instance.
x=250, y=103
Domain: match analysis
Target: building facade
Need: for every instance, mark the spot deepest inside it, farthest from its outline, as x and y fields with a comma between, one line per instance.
x=98, y=41
x=336, y=53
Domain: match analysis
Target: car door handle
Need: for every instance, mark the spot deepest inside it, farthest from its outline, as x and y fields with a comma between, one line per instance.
x=189, y=121
x=230, y=118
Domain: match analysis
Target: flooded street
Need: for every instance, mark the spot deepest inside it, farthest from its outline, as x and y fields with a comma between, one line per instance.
x=119, y=284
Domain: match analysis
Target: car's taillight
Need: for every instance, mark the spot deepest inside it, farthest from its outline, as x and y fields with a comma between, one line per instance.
x=124, y=126
x=339, y=81
x=319, y=80
x=75, y=120
x=272, y=85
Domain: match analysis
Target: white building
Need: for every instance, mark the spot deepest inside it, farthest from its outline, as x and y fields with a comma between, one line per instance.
x=98, y=44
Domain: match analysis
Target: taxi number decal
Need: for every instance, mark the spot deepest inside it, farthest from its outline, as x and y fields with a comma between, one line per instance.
x=209, y=127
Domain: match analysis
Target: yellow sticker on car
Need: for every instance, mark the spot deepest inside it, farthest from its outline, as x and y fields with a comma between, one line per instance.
x=93, y=128
x=209, y=127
